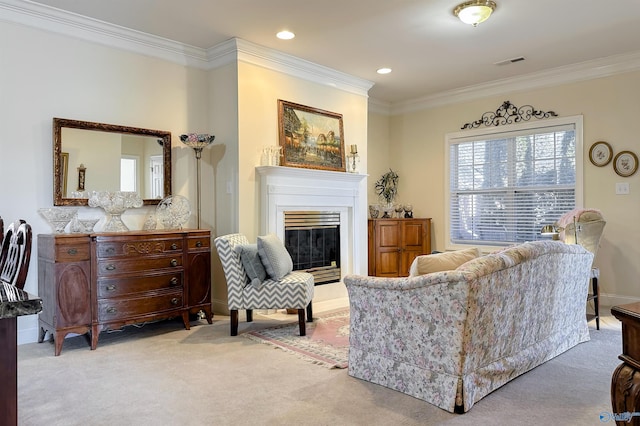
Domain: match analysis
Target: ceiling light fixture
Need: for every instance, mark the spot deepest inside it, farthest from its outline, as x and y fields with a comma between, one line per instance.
x=285, y=35
x=475, y=11
x=383, y=70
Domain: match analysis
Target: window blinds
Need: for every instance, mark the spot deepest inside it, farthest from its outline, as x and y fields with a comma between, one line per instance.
x=504, y=188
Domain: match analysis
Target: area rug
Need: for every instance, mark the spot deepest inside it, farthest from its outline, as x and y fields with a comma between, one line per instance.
x=326, y=342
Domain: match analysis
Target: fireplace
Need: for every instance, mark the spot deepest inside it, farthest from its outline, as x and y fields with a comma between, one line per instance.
x=312, y=238
x=288, y=189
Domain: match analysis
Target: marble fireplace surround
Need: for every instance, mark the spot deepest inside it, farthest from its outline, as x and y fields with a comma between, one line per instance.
x=296, y=189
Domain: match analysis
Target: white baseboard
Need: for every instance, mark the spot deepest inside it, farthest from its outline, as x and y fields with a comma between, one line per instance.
x=616, y=300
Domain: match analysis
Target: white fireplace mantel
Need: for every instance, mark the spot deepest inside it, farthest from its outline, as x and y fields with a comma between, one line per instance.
x=288, y=188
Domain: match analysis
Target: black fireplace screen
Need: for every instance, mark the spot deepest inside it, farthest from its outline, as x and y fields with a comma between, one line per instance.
x=313, y=241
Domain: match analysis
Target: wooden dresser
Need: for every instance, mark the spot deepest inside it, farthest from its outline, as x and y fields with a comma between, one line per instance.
x=625, y=381
x=95, y=282
x=394, y=243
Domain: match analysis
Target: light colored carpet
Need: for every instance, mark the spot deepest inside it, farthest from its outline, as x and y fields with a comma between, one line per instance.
x=162, y=374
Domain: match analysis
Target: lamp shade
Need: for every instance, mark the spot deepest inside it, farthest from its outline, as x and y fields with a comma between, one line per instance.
x=474, y=12
x=197, y=141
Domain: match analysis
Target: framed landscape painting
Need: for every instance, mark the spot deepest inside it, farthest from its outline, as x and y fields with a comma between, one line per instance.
x=310, y=137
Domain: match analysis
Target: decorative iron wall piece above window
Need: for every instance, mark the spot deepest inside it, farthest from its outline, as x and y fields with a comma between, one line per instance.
x=508, y=113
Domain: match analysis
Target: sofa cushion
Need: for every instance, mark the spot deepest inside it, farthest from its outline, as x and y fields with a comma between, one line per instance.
x=274, y=256
x=446, y=261
x=251, y=263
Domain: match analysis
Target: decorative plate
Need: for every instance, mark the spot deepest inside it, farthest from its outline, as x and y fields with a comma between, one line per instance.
x=173, y=211
x=626, y=163
x=600, y=153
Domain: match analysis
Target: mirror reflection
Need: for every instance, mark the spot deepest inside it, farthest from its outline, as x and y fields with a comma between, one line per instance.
x=102, y=157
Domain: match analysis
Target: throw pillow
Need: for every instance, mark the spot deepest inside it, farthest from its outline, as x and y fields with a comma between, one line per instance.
x=251, y=262
x=445, y=261
x=274, y=256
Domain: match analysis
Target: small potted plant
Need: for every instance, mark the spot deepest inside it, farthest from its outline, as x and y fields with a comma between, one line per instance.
x=387, y=190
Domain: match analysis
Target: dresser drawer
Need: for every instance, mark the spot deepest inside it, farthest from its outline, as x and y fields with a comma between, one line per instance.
x=64, y=248
x=72, y=252
x=111, y=267
x=138, y=248
x=108, y=288
x=199, y=242
x=117, y=309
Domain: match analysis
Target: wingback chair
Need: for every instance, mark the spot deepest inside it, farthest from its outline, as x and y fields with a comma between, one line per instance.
x=585, y=227
x=15, y=254
x=293, y=291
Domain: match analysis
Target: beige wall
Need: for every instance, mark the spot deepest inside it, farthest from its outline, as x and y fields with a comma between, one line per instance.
x=46, y=75
x=610, y=108
x=49, y=75
x=258, y=90
x=379, y=146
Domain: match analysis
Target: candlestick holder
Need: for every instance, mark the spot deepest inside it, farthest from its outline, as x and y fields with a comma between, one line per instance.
x=353, y=159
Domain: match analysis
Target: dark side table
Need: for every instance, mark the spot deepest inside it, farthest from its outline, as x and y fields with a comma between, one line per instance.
x=625, y=382
x=13, y=303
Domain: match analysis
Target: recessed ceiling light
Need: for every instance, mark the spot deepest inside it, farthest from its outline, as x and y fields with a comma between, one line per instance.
x=383, y=70
x=285, y=35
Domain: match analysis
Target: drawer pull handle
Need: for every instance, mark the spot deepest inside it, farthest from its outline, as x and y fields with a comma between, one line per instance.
x=174, y=301
x=72, y=251
x=111, y=287
x=173, y=281
x=174, y=262
x=174, y=246
x=111, y=310
x=198, y=243
x=110, y=250
x=110, y=267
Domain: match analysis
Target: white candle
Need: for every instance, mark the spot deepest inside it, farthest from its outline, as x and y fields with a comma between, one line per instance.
x=354, y=149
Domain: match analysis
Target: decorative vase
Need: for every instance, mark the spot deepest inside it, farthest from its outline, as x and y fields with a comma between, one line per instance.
x=388, y=211
x=114, y=204
x=58, y=217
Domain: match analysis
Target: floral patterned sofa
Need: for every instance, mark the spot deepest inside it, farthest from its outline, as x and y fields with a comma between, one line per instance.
x=450, y=338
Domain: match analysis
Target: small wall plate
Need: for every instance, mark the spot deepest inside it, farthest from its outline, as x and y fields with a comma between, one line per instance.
x=626, y=163
x=600, y=153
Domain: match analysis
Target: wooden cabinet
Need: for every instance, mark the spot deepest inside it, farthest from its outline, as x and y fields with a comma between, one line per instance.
x=64, y=284
x=625, y=381
x=199, y=266
x=103, y=281
x=394, y=243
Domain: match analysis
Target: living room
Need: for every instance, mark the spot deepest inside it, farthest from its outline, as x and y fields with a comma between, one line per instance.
x=54, y=69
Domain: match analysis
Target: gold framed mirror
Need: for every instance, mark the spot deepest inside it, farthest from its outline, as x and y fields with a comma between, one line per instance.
x=90, y=156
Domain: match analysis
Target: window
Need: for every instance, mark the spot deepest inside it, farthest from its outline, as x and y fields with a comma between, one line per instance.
x=505, y=183
x=128, y=173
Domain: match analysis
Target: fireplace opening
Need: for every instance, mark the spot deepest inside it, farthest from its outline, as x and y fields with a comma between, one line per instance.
x=312, y=238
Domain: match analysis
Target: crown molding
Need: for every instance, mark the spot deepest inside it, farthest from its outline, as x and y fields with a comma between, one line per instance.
x=81, y=27
x=28, y=13
x=48, y=18
x=588, y=70
x=245, y=51
x=380, y=107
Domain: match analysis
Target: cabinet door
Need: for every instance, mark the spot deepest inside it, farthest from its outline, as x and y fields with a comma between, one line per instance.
x=388, y=248
x=72, y=294
x=199, y=287
x=415, y=242
x=198, y=267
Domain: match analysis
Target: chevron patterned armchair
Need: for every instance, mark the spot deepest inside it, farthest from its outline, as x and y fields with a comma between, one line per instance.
x=293, y=291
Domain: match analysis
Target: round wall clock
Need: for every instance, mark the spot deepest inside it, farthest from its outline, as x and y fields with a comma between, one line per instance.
x=600, y=153
x=626, y=163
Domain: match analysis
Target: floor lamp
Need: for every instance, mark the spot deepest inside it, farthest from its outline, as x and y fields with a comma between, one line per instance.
x=198, y=142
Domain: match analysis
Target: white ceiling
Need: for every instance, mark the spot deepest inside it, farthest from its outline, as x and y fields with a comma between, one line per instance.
x=429, y=49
